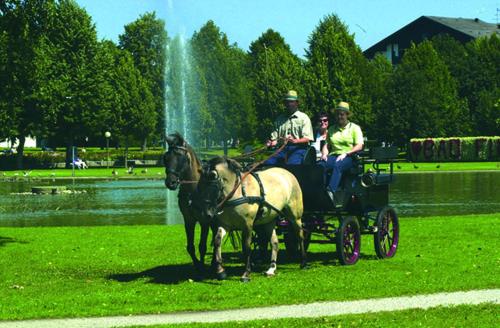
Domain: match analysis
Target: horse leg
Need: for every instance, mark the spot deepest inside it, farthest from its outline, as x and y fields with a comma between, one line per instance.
x=297, y=225
x=189, y=227
x=274, y=254
x=247, y=250
x=219, y=269
x=202, y=247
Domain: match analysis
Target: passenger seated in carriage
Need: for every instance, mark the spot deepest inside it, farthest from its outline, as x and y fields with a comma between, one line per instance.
x=293, y=126
x=320, y=134
x=344, y=139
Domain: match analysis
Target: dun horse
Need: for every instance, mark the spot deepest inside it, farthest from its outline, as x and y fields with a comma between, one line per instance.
x=256, y=200
x=183, y=169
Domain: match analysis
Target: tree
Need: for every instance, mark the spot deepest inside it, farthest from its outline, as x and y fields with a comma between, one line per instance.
x=5, y=127
x=273, y=69
x=481, y=84
x=146, y=40
x=66, y=88
x=424, y=101
x=220, y=69
x=23, y=24
x=134, y=116
x=376, y=77
x=333, y=69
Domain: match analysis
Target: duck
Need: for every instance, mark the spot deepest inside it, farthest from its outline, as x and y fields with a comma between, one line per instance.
x=114, y=172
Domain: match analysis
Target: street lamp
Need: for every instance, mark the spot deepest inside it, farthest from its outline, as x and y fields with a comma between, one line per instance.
x=107, y=134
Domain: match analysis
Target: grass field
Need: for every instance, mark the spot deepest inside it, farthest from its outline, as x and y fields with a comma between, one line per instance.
x=120, y=270
x=159, y=172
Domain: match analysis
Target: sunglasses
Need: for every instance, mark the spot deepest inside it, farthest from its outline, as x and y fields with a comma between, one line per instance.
x=321, y=120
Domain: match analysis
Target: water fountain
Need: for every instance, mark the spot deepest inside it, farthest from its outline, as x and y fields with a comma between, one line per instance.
x=176, y=115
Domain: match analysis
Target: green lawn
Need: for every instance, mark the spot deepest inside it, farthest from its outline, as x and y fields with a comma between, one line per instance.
x=159, y=172
x=112, y=270
x=120, y=173
x=483, y=315
x=449, y=166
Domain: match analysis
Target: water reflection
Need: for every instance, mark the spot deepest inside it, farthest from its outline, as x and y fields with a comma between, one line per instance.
x=128, y=202
x=446, y=193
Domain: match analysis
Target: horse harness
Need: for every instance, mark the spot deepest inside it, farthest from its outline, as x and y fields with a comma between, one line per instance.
x=244, y=199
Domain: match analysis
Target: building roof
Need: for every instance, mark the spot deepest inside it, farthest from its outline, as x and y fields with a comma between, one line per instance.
x=470, y=26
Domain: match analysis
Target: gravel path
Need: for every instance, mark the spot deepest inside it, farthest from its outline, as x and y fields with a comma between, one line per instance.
x=274, y=312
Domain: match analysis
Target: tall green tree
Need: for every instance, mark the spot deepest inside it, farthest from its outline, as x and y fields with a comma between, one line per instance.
x=376, y=78
x=424, y=101
x=221, y=69
x=481, y=85
x=146, y=40
x=333, y=68
x=67, y=86
x=5, y=126
x=23, y=24
x=273, y=69
x=134, y=116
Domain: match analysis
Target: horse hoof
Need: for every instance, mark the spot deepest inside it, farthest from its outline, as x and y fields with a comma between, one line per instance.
x=221, y=275
x=245, y=279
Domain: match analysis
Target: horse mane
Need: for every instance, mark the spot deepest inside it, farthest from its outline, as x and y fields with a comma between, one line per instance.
x=231, y=163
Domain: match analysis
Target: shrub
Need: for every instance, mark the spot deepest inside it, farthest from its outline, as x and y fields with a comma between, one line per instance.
x=454, y=149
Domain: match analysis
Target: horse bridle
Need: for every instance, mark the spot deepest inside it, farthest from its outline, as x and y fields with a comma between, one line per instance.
x=172, y=149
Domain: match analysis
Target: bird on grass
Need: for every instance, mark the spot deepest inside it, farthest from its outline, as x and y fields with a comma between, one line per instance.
x=415, y=167
x=144, y=171
x=114, y=172
x=399, y=167
x=26, y=173
x=130, y=170
x=438, y=166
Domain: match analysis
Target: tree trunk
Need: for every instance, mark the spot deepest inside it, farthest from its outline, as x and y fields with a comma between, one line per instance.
x=225, y=147
x=20, y=152
x=144, y=144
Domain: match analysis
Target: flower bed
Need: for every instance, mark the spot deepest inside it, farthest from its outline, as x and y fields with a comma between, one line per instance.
x=454, y=149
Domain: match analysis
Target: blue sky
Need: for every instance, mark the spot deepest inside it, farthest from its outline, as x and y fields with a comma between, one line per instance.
x=245, y=20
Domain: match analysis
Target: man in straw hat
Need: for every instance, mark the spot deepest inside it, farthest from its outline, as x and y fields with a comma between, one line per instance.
x=293, y=126
x=343, y=140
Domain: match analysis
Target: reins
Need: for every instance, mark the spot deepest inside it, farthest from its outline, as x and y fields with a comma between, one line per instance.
x=238, y=182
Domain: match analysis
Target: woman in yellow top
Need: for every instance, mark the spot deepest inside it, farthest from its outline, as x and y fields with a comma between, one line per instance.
x=344, y=139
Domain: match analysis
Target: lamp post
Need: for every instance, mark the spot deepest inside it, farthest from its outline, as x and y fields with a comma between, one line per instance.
x=107, y=134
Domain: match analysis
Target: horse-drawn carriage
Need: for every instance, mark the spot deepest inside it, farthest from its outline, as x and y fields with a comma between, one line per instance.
x=221, y=195
x=363, y=207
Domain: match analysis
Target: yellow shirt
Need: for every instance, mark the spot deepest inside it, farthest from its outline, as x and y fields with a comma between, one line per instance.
x=298, y=125
x=341, y=140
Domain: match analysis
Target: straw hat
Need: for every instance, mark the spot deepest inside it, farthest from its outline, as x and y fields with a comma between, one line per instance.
x=344, y=106
x=291, y=95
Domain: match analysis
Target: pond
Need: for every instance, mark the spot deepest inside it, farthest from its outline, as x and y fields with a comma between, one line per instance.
x=129, y=202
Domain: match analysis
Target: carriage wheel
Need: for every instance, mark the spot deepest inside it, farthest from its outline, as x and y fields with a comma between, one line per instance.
x=387, y=236
x=291, y=243
x=348, y=241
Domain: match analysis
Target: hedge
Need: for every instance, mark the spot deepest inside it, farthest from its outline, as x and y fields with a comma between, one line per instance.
x=454, y=149
x=49, y=159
